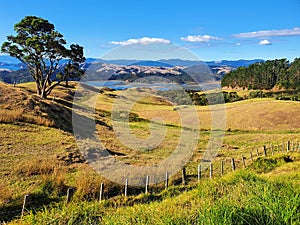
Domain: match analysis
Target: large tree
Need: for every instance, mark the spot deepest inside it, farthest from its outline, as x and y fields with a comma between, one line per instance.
x=41, y=48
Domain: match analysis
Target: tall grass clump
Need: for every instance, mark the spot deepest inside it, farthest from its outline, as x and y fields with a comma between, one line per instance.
x=37, y=166
x=253, y=201
x=11, y=116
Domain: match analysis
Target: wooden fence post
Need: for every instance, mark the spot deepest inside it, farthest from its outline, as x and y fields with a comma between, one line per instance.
x=147, y=185
x=265, y=151
x=211, y=170
x=288, y=146
x=167, y=180
x=199, y=172
x=101, y=192
x=272, y=149
x=257, y=153
x=243, y=161
x=69, y=195
x=24, y=204
x=251, y=157
x=222, y=168
x=282, y=147
x=126, y=187
x=183, y=176
x=233, y=164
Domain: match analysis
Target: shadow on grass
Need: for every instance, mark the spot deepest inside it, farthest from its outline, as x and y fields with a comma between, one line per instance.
x=34, y=202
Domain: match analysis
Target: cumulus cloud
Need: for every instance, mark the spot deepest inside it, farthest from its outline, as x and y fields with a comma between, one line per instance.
x=199, y=38
x=143, y=41
x=265, y=42
x=269, y=33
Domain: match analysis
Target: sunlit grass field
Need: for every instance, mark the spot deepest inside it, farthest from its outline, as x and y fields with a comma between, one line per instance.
x=40, y=157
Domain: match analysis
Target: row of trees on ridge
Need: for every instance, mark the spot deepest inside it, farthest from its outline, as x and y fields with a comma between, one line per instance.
x=278, y=73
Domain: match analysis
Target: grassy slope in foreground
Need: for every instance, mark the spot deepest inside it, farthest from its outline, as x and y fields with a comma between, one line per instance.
x=30, y=165
x=241, y=197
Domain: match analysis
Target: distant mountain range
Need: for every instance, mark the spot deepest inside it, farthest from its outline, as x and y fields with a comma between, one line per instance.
x=177, y=62
x=12, y=70
x=10, y=61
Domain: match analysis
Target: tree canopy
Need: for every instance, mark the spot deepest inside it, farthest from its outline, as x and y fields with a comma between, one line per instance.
x=38, y=45
x=278, y=73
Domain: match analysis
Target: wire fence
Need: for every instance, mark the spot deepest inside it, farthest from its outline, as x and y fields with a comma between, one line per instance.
x=215, y=169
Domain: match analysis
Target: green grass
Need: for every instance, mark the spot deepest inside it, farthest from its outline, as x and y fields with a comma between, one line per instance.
x=238, y=198
x=41, y=161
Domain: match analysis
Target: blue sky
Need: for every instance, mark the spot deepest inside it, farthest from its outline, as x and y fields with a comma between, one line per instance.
x=212, y=30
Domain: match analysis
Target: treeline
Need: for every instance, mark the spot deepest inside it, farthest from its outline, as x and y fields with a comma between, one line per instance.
x=278, y=73
x=190, y=97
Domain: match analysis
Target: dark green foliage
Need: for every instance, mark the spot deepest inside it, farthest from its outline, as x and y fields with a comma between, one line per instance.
x=72, y=70
x=266, y=75
x=214, y=98
x=261, y=94
x=288, y=98
x=231, y=97
x=264, y=165
x=178, y=97
x=288, y=95
x=189, y=97
x=294, y=71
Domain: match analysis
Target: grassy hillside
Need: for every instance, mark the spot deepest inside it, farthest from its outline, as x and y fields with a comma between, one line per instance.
x=242, y=197
x=39, y=156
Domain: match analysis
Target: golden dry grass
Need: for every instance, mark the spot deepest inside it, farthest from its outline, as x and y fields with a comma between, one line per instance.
x=263, y=114
x=254, y=114
x=11, y=116
x=37, y=166
x=6, y=193
x=28, y=152
x=20, y=104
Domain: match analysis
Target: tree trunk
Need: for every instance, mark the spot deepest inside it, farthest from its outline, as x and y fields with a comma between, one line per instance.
x=38, y=89
x=43, y=94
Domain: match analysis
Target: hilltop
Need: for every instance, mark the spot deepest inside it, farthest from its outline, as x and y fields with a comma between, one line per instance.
x=19, y=104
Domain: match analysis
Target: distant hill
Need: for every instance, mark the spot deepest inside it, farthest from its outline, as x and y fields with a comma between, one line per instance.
x=180, y=62
x=12, y=70
x=15, y=76
x=10, y=61
x=152, y=63
x=234, y=63
x=104, y=71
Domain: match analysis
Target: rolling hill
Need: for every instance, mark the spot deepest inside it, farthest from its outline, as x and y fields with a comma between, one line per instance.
x=40, y=157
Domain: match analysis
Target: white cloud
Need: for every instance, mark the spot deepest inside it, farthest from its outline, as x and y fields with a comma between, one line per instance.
x=265, y=42
x=143, y=41
x=238, y=44
x=269, y=33
x=199, y=38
